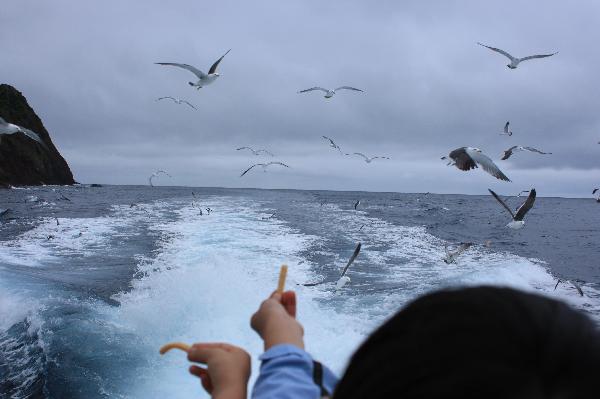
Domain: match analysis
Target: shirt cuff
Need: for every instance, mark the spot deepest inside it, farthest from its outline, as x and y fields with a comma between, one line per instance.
x=283, y=350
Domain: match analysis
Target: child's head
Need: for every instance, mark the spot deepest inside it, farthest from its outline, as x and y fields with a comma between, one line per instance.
x=478, y=342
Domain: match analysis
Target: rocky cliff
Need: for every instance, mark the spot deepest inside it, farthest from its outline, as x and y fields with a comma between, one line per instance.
x=22, y=160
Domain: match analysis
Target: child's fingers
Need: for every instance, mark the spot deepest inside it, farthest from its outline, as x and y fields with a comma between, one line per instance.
x=288, y=300
x=202, y=353
x=204, y=377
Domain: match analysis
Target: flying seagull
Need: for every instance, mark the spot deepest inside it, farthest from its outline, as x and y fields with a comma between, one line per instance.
x=594, y=192
x=577, y=286
x=514, y=61
x=516, y=148
x=467, y=158
x=343, y=280
x=176, y=101
x=329, y=92
x=451, y=256
x=332, y=144
x=264, y=166
x=9, y=128
x=506, y=131
x=356, y=204
x=367, y=159
x=156, y=174
x=255, y=152
x=517, y=222
x=203, y=78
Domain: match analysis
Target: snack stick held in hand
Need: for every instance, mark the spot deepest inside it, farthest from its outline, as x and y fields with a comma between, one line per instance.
x=282, y=275
x=174, y=345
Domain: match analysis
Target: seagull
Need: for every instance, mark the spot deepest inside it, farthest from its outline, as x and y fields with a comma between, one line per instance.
x=367, y=159
x=332, y=144
x=343, y=280
x=451, y=256
x=517, y=222
x=356, y=204
x=156, y=174
x=594, y=192
x=9, y=128
x=264, y=166
x=514, y=62
x=203, y=78
x=255, y=152
x=176, y=101
x=577, y=287
x=516, y=148
x=467, y=158
x=506, y=131
x=330, y=92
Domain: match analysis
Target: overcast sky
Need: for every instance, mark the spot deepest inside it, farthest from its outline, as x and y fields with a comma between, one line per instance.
x=87, y=68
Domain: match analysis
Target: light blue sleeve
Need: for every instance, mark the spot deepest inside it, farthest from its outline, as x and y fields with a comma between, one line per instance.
x=286, y=372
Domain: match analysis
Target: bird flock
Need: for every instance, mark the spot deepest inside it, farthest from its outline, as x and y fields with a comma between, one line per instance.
x=463, y=158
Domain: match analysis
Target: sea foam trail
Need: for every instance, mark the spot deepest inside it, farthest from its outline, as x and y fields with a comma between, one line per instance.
x=206, y=282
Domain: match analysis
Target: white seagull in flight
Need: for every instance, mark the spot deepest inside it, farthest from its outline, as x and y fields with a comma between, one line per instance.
x=333, y=145
x=264, y=166
x=330, y=92
x=514, y=61
x=176, y=101
x=506, y=131
x=255, y=152
x=203, y=78
x=517, y=222
x=367, y=159
x=516, y=148
x=9, y=128
x=156, y=174
x=451, y=256
x=467, y=158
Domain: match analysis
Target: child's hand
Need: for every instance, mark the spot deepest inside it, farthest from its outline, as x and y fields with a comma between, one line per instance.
x=227, y=369
x=275, y=321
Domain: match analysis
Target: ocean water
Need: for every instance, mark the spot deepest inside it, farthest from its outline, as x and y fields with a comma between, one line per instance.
x=92, y=286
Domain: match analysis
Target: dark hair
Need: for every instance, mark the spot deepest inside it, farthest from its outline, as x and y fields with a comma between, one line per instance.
x=482, y=342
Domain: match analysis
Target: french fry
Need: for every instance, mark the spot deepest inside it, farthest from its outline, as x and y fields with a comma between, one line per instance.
x=282, y=276
x=174, y=345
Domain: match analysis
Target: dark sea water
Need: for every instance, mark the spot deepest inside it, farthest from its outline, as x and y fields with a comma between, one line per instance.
x=92, y=286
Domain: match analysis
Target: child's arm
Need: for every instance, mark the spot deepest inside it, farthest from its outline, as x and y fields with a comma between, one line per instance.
x=287, y=371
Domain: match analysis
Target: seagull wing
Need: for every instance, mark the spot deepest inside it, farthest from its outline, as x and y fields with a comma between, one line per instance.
x=504, y=53
x=508, y=153
x=527, y=205
x=462, y=160
x=577, y=287
x=362, y=155
x=531, y=149
x=506, y=127
x=213, y=68
x=487, y=164
x=354, y=255
x=163, y=98
x=190, y=104
x=594, y=192
x=32, y=135
x=314, y=88
x=378, y=157
x=190, y=68
x=244, y=148
x=3, y=122
x=502, y=203
x=248, y=170
x=333, y=144
x=531, y=57
x=264, y=151
x=277, y=163
x=347, y=88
